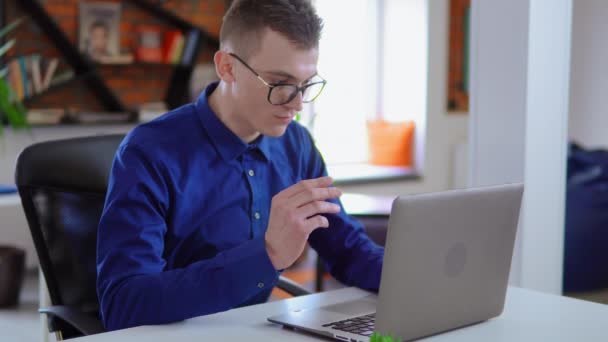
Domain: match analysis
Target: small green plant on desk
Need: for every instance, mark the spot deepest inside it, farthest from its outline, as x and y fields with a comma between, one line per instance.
x=376, y=337
x=11, y=109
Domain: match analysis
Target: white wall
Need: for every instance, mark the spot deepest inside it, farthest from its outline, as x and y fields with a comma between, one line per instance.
x=497, y=120
x=443, y=131
x=499, y=49
x=13, y=142
x=546, y=137
x=519, y=116
x=589, y=74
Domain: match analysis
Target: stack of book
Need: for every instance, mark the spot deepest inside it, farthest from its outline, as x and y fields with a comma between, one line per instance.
x=173, y=44
x=155, y=46
x=149, y=44
x=45, y=116
x=33, y=74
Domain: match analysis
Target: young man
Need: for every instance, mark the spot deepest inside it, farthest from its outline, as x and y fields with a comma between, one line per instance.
x=209, y=203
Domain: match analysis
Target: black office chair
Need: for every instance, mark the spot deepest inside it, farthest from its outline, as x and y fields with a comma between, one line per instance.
x=62, y=185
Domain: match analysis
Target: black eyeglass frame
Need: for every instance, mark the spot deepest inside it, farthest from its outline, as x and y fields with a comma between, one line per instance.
x=271, y=86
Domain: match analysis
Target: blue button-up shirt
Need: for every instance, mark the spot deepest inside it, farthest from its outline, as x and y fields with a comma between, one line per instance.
x=182, y=230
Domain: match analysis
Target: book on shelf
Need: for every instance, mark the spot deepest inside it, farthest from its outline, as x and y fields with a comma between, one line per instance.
x=125, y=58
x=176, y=53
x=45, y=116
x=15, y=79
x=31, y=75
x=49, y=72
x=92, y=117
x=149, y=46
x=189, y=46
x=173, y=45
x=25, y=77
x=156, y=46
x=36, y=75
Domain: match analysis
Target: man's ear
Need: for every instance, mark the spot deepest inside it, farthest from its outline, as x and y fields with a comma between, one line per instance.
x=224, y=66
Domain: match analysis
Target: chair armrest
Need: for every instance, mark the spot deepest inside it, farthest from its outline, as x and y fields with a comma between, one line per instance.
x=292, y=287
x=83, y=322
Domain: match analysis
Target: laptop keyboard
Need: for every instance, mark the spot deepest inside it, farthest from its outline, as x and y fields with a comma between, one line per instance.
x=362, y=325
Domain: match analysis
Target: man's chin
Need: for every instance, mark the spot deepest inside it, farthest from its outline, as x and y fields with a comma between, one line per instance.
x=275, y=132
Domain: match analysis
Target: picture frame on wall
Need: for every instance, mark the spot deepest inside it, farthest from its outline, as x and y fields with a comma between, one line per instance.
x=458, y=56
x=99, y=29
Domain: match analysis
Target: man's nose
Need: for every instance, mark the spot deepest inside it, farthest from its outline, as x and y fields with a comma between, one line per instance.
x=297, y=102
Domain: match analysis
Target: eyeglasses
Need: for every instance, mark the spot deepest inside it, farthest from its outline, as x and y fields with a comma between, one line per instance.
x=283, y=93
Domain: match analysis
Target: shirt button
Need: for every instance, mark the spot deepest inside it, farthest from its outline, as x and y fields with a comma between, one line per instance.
x=260, y=285
x=251, y=173
x=257, y=216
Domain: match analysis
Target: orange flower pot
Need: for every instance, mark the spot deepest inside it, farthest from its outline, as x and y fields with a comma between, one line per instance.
x=391, y=143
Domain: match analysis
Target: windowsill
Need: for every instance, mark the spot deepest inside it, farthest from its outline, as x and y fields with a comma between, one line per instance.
x=358, y=173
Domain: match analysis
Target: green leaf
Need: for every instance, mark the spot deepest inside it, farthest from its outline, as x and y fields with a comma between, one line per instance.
x=14, y=111
x=376, y=337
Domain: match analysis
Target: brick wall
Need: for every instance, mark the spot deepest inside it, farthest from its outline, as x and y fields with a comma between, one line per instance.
x=134, y=84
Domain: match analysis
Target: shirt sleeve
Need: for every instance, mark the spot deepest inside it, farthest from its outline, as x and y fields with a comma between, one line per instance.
x=349, y=254
x=133, y=284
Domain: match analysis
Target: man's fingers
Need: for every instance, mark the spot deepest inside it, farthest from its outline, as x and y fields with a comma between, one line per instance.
x=311, y=195
x=318, y=221
x=321, y=182
x=318, y=207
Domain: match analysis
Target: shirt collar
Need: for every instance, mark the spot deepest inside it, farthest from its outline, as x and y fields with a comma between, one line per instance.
x=264, y=146
x=228, y=144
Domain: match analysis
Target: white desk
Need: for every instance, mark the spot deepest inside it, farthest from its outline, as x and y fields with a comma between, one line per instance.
x=528, y=316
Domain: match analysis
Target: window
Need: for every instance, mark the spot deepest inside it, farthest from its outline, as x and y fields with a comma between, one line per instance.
x=348, y=61
x=373, y=53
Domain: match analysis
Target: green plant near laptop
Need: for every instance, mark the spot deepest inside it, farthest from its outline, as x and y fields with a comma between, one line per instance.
x=11, y=110
x=376, y=337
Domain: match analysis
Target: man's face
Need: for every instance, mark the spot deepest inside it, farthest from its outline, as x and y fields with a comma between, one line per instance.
x=99, y=40
x=277, y=61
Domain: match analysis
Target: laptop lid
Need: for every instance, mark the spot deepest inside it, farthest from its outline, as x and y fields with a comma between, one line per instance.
x=447, y=259
x=446, y=265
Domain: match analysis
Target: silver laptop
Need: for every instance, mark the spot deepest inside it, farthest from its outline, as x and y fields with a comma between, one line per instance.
x=446, y=265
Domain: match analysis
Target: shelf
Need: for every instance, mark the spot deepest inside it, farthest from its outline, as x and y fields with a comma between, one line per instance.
x=71, y=55
x=137, y=64
x=57, y=86
x=177, y=89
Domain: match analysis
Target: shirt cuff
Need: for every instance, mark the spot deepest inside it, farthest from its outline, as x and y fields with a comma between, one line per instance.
x=255, y=267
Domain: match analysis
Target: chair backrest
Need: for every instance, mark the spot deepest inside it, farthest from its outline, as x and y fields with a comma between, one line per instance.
x=62, y=185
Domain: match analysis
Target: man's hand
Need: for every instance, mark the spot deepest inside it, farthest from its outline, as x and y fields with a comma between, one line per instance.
x=294, y=214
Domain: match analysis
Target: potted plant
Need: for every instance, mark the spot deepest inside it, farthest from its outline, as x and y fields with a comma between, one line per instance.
x=376, y=337
x=11, y=110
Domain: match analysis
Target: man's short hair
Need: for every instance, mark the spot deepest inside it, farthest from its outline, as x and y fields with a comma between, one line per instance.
x=245, y=21
x=99, y=24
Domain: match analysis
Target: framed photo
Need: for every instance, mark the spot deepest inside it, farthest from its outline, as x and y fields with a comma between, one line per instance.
x=99, y=29
x=458, y=65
